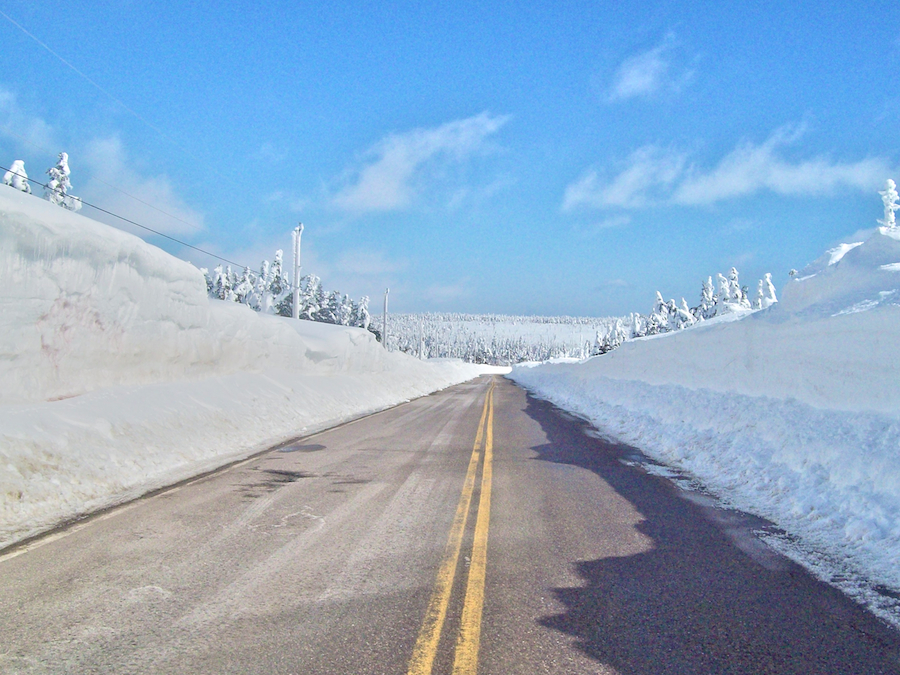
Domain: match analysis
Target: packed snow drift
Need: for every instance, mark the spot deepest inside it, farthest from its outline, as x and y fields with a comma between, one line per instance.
x=790, y=412
x=118, y=374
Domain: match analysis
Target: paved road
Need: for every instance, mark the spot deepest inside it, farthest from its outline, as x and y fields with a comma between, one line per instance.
x=476, y=528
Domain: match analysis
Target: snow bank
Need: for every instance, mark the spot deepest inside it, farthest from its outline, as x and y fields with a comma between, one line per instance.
x=792, y=412
x=118, y=375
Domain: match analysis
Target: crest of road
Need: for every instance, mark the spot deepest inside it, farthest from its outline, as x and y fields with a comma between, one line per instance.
x=476, y=530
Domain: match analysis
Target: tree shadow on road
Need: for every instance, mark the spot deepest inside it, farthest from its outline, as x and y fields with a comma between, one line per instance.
x=707, y=597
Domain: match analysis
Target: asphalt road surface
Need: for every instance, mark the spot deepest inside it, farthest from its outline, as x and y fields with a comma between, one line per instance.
x=474, y=530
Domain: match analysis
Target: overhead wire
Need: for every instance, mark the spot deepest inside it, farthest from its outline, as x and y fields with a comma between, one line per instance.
x=127, y=220
x=103, y=91
x=24, y=140
x=144, y=121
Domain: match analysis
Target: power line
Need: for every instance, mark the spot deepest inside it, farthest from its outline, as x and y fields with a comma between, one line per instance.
x=104, y=91
x=24, y=140
x=127, y=220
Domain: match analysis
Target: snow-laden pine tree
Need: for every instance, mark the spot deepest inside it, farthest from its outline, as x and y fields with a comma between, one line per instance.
x=768, y=291
x=57, y=189
x=345, y=311
x=890, y=198
x=263, y=281
x=16, y=177
x=245, y=288
x=224, y=283
x=734, y=287
x=279, y=287
x=361, y=317
x=328, y=313
x=707, y=307
x=310, y=288
x=658, y=321
x=684, y=318
x=724, y=293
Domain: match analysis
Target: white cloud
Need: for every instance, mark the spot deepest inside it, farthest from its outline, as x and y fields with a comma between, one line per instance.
x=392, y=177
x=749, y=169
x=116, y=186
x=648, y=172
x=445, y=293
x=25, y=130
x=652, y=176
x=648, y=72
x=269, y=152
x=366, y=263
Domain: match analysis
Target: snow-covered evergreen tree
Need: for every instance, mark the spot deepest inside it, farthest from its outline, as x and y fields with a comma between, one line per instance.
x=684, y=318
x=330, y=309
x=345, y=311
x=723, y=295
x=244, y=289
x=57, y=189
x=310, y=288
x=734, y=287
x=223, y=284
x=658, y=321
x=707, y=307
x=768, y=298
x=263, y=282
x=16, y=177
x=361, y=317
x=890, y=198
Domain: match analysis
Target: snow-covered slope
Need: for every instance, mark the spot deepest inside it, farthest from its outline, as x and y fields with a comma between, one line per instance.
x=792, y=412
x=118, y=375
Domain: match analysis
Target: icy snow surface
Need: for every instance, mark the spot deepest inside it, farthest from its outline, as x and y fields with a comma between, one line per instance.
x=118, y=375
x=792, y=412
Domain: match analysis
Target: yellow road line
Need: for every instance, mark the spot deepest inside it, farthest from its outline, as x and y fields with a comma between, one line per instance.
x=430, y=633
x=465, y=661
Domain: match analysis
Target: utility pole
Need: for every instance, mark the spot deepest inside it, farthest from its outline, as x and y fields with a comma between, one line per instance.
x=384, y=320
x=295, y=311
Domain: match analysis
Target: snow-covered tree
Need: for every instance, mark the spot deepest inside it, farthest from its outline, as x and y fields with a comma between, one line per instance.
x=57, y=189
x=223, y=284
x=707, y=307
x=890, y=198
x=329, y=311
x=310, y=290
x=244, y=289
x=734, y=287
x=658, y=321
x=361, y=317
x=16, y=177
x=684, y=318
x=768, y=291
x=345, y=311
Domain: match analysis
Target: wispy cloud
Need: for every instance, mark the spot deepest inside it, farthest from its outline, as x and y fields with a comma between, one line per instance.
x=366, y=263
x=269, y=152
x=117, y=186
x=391, y=177
x=443, y=293
x=652, y=176
x=749, y=169
x=647, y=171
x=647, y=73
x=25, y=130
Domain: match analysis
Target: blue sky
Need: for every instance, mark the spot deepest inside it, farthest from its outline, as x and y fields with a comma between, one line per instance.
x=559, y=158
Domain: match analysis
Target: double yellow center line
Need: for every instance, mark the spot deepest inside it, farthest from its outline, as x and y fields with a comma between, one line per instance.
x=465, y=661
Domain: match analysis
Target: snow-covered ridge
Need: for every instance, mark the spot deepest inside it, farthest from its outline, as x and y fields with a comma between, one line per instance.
x=791, y=412
x=119, y=375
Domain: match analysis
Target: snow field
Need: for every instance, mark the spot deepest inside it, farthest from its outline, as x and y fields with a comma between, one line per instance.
x=118, y=375
x=791, y=413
